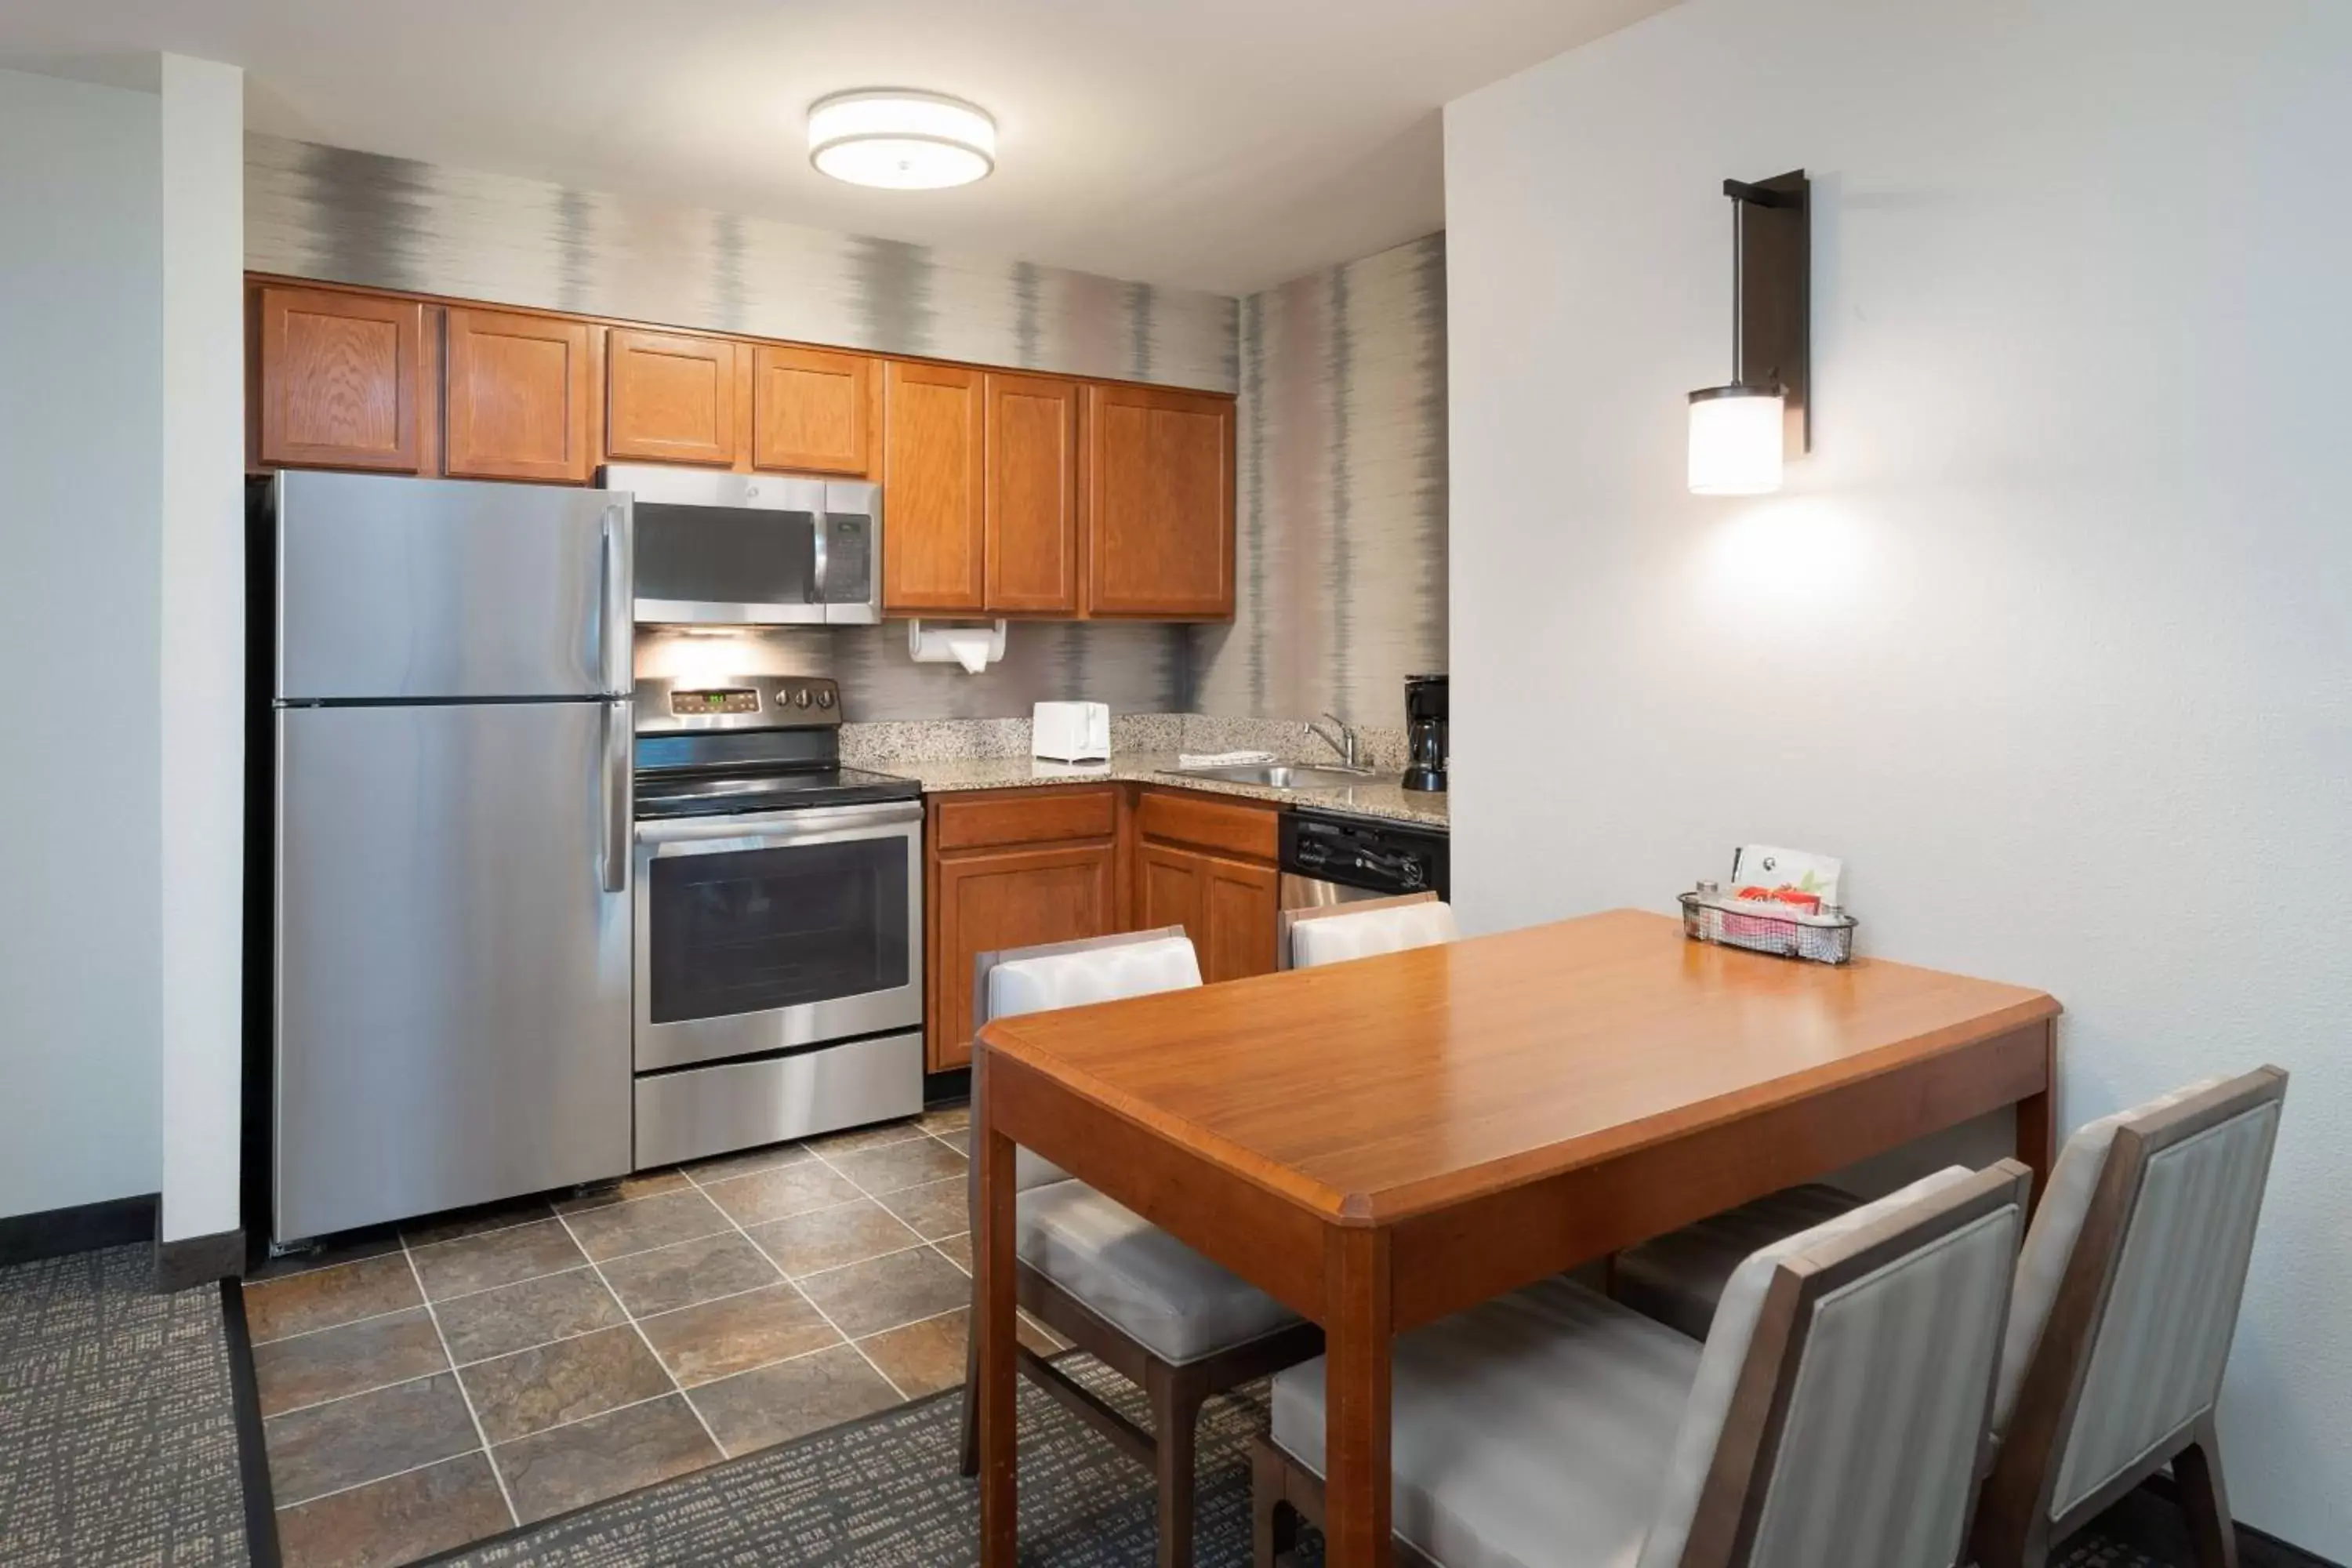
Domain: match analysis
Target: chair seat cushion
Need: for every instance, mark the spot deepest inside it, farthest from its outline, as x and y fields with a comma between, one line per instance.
x=1168, y=1298
x=1677, y=1279
x=1532, y=1431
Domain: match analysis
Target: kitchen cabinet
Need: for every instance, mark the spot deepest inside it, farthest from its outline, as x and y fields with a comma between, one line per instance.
x=1159, y=503
x=934, y=556
x=811, y=410
x=521, y=397
x=1229, y=908
x=671, y=397
x=1031, y=506
x=1009, y=869
x=340, y=381
x=1207, y=863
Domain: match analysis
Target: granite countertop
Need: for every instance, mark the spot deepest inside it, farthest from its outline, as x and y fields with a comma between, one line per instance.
x=1381, y=797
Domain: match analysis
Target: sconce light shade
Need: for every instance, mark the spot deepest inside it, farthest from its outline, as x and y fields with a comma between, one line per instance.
x=1736, y=440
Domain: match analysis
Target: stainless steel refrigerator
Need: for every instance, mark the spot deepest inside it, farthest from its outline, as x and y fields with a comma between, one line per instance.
x=451, y=840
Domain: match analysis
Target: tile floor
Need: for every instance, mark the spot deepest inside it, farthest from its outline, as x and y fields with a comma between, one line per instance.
x=462, y=1374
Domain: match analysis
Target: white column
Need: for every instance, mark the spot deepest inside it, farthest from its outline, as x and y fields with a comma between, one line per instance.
x=201, y=683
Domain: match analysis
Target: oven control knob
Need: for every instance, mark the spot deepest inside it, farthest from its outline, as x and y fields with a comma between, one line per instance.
x=800, y=697
x=825, y=696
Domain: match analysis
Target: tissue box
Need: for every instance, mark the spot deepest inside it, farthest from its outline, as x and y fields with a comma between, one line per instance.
x=1070, y=731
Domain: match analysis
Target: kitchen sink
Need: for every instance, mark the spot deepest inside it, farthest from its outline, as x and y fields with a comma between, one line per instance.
x=1283, y=776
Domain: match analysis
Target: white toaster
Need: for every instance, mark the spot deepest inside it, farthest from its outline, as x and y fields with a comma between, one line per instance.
x=1070, y=731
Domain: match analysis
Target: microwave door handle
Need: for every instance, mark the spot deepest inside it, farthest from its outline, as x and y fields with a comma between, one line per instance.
x=616, y=784
x=819, y=527
x=620, y=607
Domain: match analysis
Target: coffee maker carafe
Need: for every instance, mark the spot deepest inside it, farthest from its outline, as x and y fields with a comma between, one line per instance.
x=1424, y=732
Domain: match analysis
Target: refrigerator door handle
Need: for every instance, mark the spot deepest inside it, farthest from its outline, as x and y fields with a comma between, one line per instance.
x=620, y=604
x=620, y=728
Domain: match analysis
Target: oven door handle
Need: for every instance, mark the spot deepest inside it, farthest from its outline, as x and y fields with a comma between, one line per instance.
x=781, y=826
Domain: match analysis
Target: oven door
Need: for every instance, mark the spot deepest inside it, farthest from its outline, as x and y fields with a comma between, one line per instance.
x=780, y=929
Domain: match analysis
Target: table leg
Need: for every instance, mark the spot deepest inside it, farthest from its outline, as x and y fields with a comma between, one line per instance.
x=2037, y=1145
x=1356, y=1389
x=992, y=1256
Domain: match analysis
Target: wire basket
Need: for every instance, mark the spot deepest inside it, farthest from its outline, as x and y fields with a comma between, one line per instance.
x=1759, y=927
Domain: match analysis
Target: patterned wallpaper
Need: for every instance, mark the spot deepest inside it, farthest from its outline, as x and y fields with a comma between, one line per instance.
x=392, y=223
x=1342, y=495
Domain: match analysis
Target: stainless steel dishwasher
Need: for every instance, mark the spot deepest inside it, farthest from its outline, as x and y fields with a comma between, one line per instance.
x=1328, y=858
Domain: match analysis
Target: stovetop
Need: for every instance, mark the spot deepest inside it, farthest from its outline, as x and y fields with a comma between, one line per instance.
x=729, y=792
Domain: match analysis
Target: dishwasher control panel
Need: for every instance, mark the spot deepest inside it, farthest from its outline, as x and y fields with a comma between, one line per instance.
x=1380, y=857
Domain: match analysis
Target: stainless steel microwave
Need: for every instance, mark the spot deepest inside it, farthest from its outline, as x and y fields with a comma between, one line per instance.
x=768, y=550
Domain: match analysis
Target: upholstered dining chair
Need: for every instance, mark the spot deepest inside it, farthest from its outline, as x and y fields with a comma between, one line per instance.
x=2127, y=1298
x=1330, y=933
x=1167, y=1319
x=1832, y=1418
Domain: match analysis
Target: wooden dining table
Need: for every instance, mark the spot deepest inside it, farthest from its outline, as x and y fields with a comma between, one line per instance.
x=1381, y=1142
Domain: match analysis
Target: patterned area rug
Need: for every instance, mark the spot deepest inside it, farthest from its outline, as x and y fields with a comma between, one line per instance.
x=118, y=1444
x=884, y=1493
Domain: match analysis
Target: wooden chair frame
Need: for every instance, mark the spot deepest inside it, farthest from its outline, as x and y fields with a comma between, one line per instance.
x=1731, y=1503
x=1291, y=920
x=1176, y=1390
x=2013, y=1525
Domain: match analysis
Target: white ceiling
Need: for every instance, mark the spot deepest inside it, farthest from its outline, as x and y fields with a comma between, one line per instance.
x=1224, y=144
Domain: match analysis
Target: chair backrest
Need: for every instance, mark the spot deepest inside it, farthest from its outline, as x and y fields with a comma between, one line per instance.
x=1331, y=933
x=1846, y=1392
x=2129, y=1291
x=1071, y=975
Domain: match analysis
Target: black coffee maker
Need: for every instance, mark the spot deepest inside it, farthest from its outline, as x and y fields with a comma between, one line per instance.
x=1424, y=732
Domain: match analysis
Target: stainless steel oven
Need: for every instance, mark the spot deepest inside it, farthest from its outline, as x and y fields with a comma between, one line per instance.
x=715, y=548
x=763, y=932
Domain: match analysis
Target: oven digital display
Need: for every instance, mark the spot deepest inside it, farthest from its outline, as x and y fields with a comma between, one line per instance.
x=726, y=700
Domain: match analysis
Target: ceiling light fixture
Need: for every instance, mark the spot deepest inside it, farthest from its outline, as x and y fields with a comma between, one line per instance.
x=901, y=140
x=1740, y=433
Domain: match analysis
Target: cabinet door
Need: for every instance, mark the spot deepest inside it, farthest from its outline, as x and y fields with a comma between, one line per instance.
x=671, y=397
x=339, y=381
x=932, y=554
x=1244, y=913
x=993, y=900
x=1172, y=889
x=1159, y=503
x=1032, y=505
x=811, y=412
x=520, y=397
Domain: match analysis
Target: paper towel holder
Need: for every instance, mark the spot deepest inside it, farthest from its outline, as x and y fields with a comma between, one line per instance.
x=956, y=645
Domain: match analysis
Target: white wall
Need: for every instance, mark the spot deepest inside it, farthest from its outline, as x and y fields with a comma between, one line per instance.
x=2051, y=637
x=81, y=366
x=202, y=671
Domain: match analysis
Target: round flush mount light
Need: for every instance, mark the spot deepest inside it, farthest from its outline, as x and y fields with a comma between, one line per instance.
x=901, y=140
x=1736, y=440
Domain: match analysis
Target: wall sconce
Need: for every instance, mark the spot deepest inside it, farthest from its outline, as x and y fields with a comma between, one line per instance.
x=1739, y=432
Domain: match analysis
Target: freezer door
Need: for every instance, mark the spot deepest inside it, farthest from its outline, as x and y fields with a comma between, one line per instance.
x=404, y=588
x=452, y=972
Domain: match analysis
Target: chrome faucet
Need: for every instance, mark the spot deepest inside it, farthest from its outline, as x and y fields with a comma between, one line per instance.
x=1343, y=742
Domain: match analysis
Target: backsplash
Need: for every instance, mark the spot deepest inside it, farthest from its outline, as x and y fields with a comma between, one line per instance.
x=1342, y=500
x=1137, y=668
x=395, y=223
x=956, y=739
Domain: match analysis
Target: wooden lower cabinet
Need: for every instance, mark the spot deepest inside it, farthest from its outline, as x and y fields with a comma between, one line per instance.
x=986, y=897
x=1229, y=908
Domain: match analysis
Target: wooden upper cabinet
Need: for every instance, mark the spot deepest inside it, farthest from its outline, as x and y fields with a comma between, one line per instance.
x=521, y=397
x=340, y=381
x=672, y=397
x=1159, y=503
x=811, y=412
x=1032, y=495
x=933, y=555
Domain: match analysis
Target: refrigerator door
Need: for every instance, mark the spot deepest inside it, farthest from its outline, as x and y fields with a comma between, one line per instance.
x=391, y=588
x=453, y=966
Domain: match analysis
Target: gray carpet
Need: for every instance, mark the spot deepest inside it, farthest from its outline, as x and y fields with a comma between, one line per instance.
x=884, y=1493
x=118, y=1444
